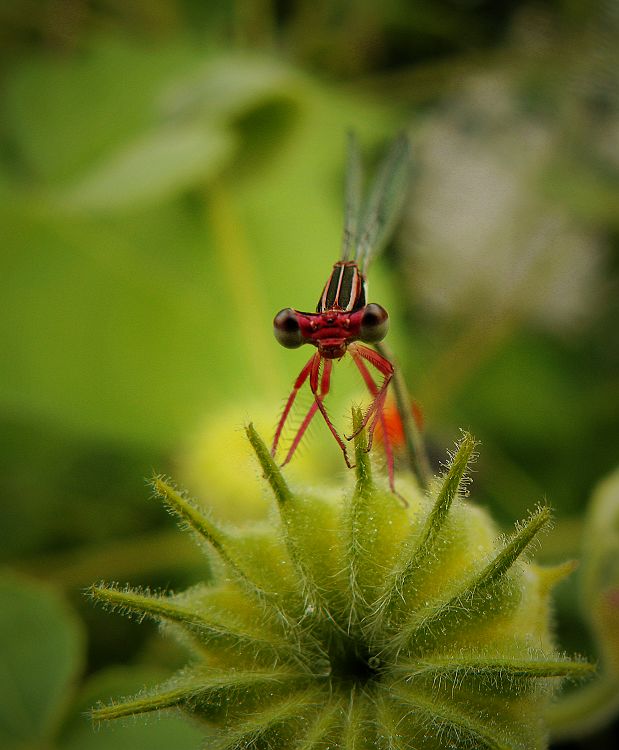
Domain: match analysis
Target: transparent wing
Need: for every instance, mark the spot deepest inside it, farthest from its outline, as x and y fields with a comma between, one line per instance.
x=384, y=202
x=352, y=197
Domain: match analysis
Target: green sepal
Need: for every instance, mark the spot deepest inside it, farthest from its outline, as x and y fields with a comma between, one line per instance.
x=258, y=560
x=376, y=525
x=282, y=721
x=220, y=618
x=364, y=623
x=422, y=544
x=309, y=532
x=475, y=600
x=214, y=694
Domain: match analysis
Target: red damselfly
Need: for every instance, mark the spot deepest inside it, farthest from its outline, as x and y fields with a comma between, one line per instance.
x=344, y=321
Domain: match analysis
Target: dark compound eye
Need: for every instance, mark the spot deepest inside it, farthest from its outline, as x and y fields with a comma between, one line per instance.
x=286, y=328
x=374, y=324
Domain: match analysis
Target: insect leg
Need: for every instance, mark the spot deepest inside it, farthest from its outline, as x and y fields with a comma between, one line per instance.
x=385, y=368
x=376, y=393
x=411, y=425
x=380, y=415
x=325, y=384
x=313, y=368
x=298, y=383
x=300, y=432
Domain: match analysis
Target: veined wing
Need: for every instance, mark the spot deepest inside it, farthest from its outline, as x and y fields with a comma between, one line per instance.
x=352, y=197
x=384, y=203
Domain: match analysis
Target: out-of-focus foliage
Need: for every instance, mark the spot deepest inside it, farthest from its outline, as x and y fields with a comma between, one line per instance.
x=515, y=206
x=171, y=176
x=42, y=654
x=152, y=296
x=593, y=706
x=41, y=648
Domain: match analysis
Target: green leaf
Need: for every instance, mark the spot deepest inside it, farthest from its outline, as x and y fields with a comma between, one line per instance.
x=153, y=167
x=64, y=114
x=42, y=645
x=593, y=706
x=136, y=324
x=600, y=571
x=164, y=731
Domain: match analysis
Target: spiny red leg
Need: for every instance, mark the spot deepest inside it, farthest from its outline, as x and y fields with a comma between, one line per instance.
x=388, y=446
x=301, y=378
x=388, y=453
x=378, y=407
x=319, y=385
x=385, y=367
x=313, y=368
x=325, y=384
x=365, y=373
x=300, y=432
x=379, y=398
x=369, y=381
x=380, y=414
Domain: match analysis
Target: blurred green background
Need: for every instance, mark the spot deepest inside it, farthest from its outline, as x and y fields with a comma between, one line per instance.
x=170, y=176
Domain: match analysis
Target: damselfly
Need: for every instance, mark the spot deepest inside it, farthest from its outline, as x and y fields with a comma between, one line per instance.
x=343, y=318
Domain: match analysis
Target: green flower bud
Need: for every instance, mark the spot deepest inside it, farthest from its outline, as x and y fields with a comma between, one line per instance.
x=361, y=623
x=593, y=706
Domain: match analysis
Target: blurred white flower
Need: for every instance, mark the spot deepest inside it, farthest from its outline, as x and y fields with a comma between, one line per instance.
x=480, y=226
